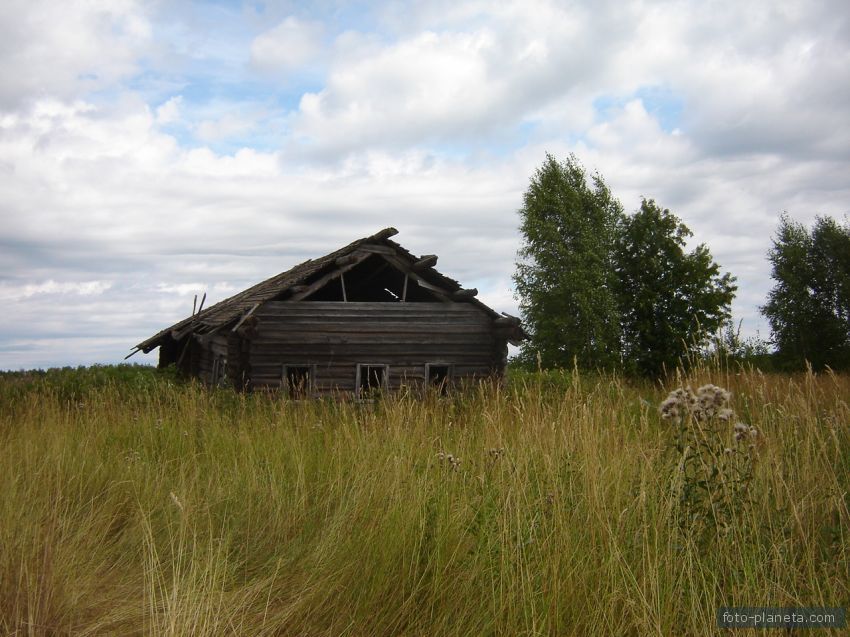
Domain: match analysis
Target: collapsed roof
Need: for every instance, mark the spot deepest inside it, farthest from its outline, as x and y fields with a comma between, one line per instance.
x=307, y=278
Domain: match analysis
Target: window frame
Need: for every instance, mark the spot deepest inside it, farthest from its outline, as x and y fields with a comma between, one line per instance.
x=311, y=379
x=358, y=376
x=450, y=373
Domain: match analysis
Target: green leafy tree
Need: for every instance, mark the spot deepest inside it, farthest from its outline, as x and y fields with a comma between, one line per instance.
x=729, y=346
x=671, y=301
x=565, y=279
x=809, y=305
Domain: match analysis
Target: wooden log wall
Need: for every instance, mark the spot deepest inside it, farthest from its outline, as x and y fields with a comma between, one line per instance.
x=206, y=355
x=335, y=336
x=238, y=367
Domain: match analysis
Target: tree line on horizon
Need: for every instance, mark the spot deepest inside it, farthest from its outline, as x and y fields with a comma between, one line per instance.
x=603, y=289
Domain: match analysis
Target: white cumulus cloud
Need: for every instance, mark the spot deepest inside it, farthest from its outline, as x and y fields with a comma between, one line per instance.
x=288, y=45
x=64, y=50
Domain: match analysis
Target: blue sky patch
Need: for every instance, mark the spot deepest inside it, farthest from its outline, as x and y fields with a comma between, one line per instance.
x=659, y=101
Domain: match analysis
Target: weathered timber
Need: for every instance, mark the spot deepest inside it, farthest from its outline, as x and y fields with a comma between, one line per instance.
x=401, y=265
x=178, y=335
x=405, y=316
x=384, y=234
x=249, y=328
x=369, y=331
x=377, y=249
x=245, y=316
x=335, y=337
x=340, y=354
x=206, y=337
x=361, y=308
x=348, y=259
x=427, y=261
x=329, y=382
x=323, y=281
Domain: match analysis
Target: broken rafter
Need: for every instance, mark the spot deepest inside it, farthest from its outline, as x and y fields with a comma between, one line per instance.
x=246, y=315
x=427, y=261
x=465, y=294
x=405, y=267
x=320, y=283
x=190, y=326
x=249, y=328
x=348, y=259
x=179, y=334
x=183, y=353
x=386, y=233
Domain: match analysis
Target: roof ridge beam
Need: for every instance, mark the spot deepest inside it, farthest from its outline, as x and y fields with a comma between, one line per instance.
x=424, y=262
x=386, y=233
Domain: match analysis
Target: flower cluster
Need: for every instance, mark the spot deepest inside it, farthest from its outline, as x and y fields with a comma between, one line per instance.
x=452, y=461
x=709, y=401
x=745, y=432
x=714, y=457
x=496, y=453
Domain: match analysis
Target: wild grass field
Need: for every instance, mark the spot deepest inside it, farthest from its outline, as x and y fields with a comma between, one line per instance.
x=558, y=504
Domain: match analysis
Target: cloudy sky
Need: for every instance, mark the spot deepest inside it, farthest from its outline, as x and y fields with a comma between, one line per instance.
x=153, y=151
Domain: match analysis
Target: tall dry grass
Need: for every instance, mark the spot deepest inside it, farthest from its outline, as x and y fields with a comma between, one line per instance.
x=166, y=509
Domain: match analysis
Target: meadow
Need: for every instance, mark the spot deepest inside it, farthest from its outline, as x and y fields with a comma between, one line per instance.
x=555, y=504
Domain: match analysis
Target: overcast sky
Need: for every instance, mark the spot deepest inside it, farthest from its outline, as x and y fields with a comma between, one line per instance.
x=153, y=151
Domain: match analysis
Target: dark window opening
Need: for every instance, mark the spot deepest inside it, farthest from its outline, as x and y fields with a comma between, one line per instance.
x=439, y=377
x=298, y=380
x=371, y=379
x=373, y=280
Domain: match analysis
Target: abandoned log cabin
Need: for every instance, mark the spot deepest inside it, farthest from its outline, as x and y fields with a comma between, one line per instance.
x=369, y=316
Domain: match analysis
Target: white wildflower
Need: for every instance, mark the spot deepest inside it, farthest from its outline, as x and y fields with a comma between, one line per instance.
x=743, y=432
x=711, y=399
x=677, y=404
